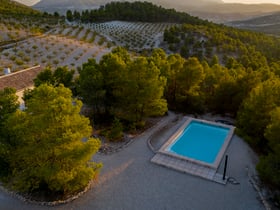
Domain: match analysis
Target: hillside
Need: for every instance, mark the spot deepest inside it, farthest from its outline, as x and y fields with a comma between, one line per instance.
x=214, y=10
x=220, y=69
x=29, y=37
x=132, y=11
x=269, y=24
x=11, y=7
x=226, y=12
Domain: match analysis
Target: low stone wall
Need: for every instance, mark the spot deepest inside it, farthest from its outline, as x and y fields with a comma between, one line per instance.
x=26, y=199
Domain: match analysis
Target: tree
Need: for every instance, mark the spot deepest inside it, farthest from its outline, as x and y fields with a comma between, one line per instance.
x=61, y=75
x=190, y=79
x=50, y=147
x=90, y=85
x=8, y=105
x=56, y=15
x=116, y=132
x=273, y=128
x=69, y=15
x=191, y=76
x=143, y=94
x=113, y=67
x=254, y=115
x=269, y=170
x=176, y=63
x=269, y=165
x=123, y=88
x=76, y=16
x=44, y=77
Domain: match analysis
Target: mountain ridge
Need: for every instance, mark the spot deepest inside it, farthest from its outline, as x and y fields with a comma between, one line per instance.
x=213, y=10
x=269, y=24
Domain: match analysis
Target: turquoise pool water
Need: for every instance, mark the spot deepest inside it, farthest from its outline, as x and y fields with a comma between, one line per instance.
x=200, y=141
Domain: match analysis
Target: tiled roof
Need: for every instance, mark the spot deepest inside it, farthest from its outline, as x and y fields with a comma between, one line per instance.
x=21, y=79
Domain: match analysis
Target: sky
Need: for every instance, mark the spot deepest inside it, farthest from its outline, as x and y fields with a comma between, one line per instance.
x=31, y=2
x=253, y=1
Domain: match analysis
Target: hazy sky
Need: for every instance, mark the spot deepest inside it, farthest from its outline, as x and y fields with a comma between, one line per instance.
x=30, y=2
x=252, y=1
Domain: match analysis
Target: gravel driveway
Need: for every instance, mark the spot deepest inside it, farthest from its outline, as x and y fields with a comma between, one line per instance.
x=129, y=181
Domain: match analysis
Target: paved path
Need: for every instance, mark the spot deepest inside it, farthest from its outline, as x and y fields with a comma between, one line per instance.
x=129, y=181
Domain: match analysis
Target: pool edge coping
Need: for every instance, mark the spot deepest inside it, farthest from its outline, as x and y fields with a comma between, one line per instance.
x=179, y=131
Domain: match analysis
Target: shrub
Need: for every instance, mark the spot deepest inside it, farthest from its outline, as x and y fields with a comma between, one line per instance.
x=116, y=132
x=19, y=62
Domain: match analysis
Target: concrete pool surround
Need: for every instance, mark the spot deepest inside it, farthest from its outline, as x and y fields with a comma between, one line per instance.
x=164, y=149
x=190, y=165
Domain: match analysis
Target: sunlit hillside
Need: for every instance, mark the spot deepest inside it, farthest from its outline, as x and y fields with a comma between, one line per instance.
x=214, y=10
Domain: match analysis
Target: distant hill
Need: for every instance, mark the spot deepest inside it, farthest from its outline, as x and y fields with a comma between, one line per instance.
x=214, y=10
x=269, y=24
x=11, y=7
x=18, y=22
x=93, y=3
x=232, y=12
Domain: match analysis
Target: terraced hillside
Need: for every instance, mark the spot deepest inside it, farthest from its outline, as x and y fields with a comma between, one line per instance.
x=33, y=38
x=132, y=35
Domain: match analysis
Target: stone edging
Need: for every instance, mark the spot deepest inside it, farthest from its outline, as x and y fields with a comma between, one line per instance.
x=152, y=136
x=45, y=203
x=114, y=150
x=130, y=140
x=161, y=128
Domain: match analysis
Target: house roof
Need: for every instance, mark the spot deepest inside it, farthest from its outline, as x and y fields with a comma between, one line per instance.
x=21, y=79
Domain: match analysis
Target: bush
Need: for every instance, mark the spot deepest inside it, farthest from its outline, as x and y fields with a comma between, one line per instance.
x=19, y=62
x=116, y=132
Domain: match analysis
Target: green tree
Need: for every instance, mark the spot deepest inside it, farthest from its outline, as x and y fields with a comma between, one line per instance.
x=143, y=95
x=189, y=86
x=113, y=67
x=269, y=170
x=60, y=75
x=269, y=165
x=116, y=131
x=45, y=76
x=273, y=129
x=254, y=115
x=90, y=86
x=176, y=63
x=50, y=147
x=8, y=105
x=69, y=15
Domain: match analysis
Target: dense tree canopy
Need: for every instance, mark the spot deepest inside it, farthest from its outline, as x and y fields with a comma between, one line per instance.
x=60, y=75
x=252, y=50
x=49, y=146
x=254, y=116
x=219, y=69
x=132, y=11
x=122, y=87
x=8, y=105
x=269, y=166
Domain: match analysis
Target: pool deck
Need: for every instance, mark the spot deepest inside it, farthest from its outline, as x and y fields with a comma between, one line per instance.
x=192, y=166
x=189, y=167
x=130, y=181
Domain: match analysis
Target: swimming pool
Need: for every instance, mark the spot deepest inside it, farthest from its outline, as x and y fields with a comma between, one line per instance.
x=199, y=141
